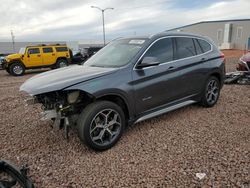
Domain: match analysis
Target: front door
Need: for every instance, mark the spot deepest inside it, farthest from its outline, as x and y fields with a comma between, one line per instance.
x=157, y=85
x=33, y=57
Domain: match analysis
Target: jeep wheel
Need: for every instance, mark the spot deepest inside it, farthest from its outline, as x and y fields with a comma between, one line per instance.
x=61, y=63
x=211, y=92
x=16, y=69
x=101, y=125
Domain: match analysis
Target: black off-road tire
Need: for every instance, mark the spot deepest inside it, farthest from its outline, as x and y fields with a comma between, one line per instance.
x=17, y=69
x=7, y=70
x=205, y=94
x=60, y=63
x=89, y=115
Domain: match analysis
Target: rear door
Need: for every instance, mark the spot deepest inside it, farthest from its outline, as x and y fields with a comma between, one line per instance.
x=49, y=56
x=189, y=65
x=33, y=57
x=157, y=85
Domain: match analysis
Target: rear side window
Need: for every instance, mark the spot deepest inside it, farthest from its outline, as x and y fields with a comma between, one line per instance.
x=61, y=49
x=47, y=50
x=162, y=50
x=197, y=47
x=33, y=51
x=204, y=45
x=184, y=47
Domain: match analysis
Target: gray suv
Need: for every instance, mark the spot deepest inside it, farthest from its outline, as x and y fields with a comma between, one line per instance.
x=128, y=81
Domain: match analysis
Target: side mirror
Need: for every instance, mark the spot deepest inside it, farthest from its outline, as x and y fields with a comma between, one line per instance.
x=148, y=62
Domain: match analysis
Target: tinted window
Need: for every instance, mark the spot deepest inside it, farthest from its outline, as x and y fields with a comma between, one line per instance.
x=47, y=50
x=162, y=50
x=34, y=51
x=184, y=47
x=197, y=47
x=204, y=45
x=61, y=49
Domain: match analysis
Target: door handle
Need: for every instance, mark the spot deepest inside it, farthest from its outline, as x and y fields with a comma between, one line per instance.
x=53, y=54
x=38, y=55
x=171, y=68
x=203, y=59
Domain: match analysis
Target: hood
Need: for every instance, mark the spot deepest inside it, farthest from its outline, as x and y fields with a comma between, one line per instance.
x=246, y=57
x=61, y=78
x=14, y=56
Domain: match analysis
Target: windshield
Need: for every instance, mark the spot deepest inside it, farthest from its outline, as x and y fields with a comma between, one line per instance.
x=22, y=50
x=117, y=53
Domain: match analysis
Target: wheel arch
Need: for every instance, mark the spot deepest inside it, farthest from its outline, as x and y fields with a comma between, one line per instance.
x=58, y=58
x=16, y=61
x=218, y=76
x=117, y=99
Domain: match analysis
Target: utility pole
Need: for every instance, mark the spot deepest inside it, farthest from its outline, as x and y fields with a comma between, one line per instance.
x=13, y=41
x=103, y=23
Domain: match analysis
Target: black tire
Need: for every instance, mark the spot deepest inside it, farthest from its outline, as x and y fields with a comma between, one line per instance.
x=211, y=92
x=17, y=69
x=60, y=63
x=7, y=70
x=90, y=128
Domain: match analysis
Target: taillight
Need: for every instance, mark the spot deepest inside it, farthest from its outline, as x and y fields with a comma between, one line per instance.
x=222, y=55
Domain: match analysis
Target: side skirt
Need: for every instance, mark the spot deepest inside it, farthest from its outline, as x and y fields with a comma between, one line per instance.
x=165, y=110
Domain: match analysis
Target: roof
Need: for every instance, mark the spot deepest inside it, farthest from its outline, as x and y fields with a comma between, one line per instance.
x=44, y=45
x=203, y=22
x=174, y=33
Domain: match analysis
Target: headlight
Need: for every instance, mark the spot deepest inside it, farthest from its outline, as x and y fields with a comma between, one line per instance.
x=72, y=97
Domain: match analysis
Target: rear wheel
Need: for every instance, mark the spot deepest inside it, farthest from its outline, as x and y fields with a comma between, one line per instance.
x=61, y=63
x=211, y=92
x=101, y=125
x=16, y=69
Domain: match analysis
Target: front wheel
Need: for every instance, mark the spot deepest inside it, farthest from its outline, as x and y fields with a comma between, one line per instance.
x=101, y=125
x=16, y=69
x=211, y=92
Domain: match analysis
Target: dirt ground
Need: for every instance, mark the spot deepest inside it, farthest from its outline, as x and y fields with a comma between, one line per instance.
x=233, y=53
x=166, y=151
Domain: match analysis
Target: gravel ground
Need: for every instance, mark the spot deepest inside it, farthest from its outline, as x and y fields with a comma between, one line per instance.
x=166, y=151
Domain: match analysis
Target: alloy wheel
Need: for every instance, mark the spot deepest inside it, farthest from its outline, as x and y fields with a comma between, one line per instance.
x=62, y=64
x=212, y=92
x=17, y=69
x=105, y=127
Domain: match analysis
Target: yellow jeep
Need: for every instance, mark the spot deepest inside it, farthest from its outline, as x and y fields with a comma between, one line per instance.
x=40, y=56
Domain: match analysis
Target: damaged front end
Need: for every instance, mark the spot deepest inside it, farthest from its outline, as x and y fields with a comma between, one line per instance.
x=62, y=107
x=244, y=63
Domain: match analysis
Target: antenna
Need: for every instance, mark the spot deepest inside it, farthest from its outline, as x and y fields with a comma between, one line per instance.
x=13, y=40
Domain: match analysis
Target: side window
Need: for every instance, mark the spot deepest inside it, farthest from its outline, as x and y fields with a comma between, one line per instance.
x=184, y=47
x=197, y=47
x=47, y=50
x=204, y=45
x=162, y=50
x=33, y=51
x=61, y=49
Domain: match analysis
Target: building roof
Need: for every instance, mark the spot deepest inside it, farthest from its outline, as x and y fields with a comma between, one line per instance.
x=203, y=22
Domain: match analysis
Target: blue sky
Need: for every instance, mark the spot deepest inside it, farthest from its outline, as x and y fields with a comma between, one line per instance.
x=63, y=20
